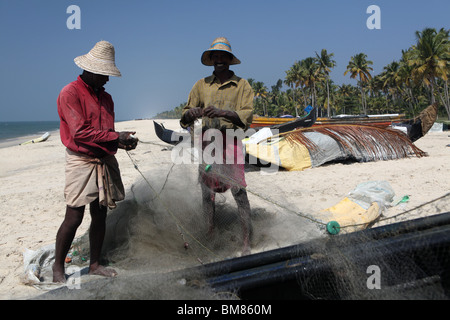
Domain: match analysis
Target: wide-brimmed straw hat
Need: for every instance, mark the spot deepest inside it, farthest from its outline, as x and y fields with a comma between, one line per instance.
x=219, y=44
x=100, y=60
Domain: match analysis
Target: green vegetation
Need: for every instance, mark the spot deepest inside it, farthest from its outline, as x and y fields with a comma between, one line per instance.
x=406, y=86
x=172, y=114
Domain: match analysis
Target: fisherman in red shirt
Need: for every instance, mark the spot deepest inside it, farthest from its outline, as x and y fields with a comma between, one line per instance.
x=87, y=130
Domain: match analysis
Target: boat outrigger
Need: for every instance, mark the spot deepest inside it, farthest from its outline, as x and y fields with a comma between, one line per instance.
x=384, y=120
x=414, y=128
x=175, y=137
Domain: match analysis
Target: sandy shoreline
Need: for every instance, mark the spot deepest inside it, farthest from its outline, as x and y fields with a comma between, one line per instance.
x=32, y=179
x=17, y=141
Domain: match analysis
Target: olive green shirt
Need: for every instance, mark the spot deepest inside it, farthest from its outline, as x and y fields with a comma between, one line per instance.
x=235, y=94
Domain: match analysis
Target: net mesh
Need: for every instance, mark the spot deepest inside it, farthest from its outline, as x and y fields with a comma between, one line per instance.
x=157, y=238
x=166, y=219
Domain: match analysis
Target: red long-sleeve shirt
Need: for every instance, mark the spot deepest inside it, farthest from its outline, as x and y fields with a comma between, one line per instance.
x=87, y=121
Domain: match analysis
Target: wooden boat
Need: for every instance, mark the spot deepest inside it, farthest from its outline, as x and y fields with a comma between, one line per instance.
x=42, y=138
x=259, y=121
x=414, y=128
x=304, y=148
x=174, y=137
x=383, y=121
x=303, y=122
x=170, y=136
x=417, y=127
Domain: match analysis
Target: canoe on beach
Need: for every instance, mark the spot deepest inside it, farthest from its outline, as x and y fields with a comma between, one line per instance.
x=170, y=136
x=291, y=124
x=312, y=147
x=42, y=138
x=374, y=120
x=175, y=137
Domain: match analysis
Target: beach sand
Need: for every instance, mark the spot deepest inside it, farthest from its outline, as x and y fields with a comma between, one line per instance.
x=32, y=203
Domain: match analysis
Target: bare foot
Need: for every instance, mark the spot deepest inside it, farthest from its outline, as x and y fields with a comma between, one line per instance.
x=58, y=275
x=102, y=271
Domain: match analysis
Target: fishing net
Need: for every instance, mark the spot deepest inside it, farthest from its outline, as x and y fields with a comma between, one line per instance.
x=157, y=239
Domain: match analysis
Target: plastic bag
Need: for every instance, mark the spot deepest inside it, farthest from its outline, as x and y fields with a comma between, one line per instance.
x=35, y=263
x=373, y=191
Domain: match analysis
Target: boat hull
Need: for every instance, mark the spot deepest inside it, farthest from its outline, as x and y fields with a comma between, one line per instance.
x=379, y=121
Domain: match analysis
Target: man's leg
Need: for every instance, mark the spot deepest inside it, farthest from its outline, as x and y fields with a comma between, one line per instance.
x=96, y=236
x=64, y=238
x=240, y=195
x=209, y=207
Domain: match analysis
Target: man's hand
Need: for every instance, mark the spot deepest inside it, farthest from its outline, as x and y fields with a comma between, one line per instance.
x=213, y=112
x=193, y=114
x=126, y=141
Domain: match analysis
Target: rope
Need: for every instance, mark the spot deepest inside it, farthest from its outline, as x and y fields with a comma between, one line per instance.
x=227, y=179
x=177, y=223
x=402, y=213
x=154, y=143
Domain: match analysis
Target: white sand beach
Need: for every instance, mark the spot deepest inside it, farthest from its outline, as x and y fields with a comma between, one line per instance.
x=32, y=203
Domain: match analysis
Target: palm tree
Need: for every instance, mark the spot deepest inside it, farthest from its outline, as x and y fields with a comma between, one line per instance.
x=295, y=78
x=277, y=87
x=389, y=76
x=309, y=68
x=389, y=82
x=346, y=94
x=260, y=91
x=359, y=66
x=404, y=76
x=325, y=63
x=430, y=59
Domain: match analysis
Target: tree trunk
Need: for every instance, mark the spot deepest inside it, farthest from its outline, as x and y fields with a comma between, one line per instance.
x=433, y=100
x=328, y=101
x=293, y=99
x=362, y=100
x=445, y=99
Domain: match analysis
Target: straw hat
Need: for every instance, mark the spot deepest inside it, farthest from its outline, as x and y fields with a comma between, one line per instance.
x=219, y=44
x=100, y=60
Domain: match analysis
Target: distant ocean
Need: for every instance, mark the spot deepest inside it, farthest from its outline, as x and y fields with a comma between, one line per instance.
x=16, y=129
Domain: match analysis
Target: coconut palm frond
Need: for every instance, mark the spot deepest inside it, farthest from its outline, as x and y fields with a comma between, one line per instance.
x=368, y=143
x=297, y=137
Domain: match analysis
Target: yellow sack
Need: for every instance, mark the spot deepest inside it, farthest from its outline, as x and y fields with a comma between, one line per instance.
x=351, y=216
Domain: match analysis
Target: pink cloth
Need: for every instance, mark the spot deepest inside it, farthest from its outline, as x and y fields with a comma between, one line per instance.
x=226, y=159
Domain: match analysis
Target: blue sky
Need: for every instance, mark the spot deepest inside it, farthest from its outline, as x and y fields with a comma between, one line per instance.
x=159, y=44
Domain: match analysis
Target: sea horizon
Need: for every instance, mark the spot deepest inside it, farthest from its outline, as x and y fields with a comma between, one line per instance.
x=13, y=130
